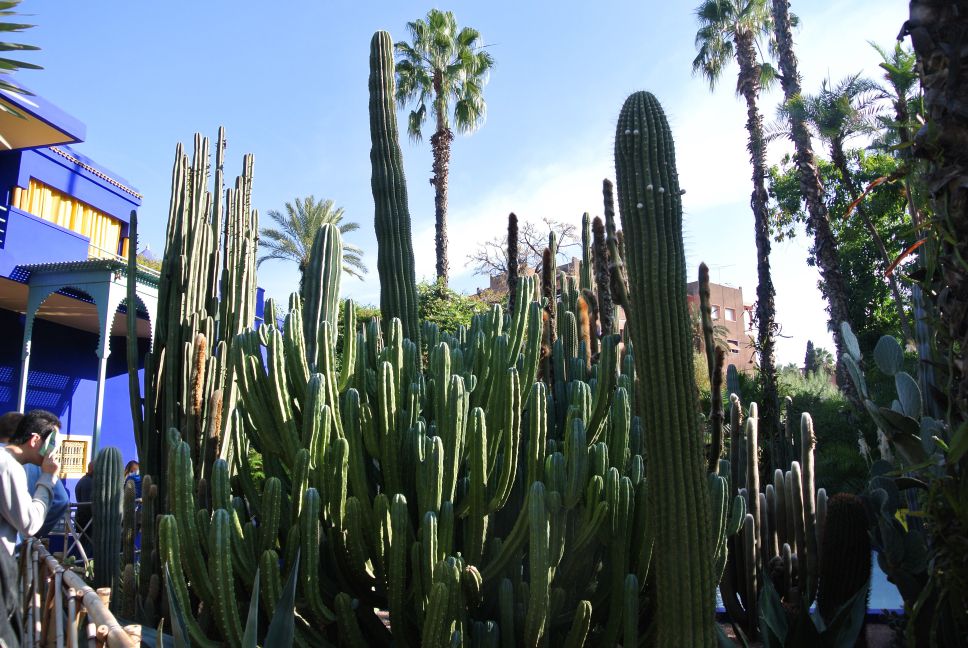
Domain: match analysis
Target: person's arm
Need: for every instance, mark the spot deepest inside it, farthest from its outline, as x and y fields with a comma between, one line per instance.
x=24, y=512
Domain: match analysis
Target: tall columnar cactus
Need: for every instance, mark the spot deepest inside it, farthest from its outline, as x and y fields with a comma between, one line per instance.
x=206, y=296
x=398, y=286
x=846, y=563
x=513, y=252
x=585, y=274
x=600, y=254
x=106, y=501
x=651, y=211
x=320, y=286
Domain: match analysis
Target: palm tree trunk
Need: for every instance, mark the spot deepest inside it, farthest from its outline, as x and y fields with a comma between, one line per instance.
x=839, y=159
x=825, y=244
x=939, y=33
x=440, y=143
x=749, y=87
x=923, y=338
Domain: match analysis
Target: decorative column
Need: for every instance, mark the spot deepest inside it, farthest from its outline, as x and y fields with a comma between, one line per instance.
x=108, y=298
x=35, y=298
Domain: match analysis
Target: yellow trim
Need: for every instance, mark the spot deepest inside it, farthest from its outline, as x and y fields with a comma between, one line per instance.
x=52, y=205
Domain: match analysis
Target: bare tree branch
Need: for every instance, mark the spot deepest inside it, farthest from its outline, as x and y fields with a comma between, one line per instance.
x=491, y=257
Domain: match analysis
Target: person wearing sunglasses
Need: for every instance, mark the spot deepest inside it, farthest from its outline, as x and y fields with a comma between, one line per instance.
x=61, y=498
x=32, y=442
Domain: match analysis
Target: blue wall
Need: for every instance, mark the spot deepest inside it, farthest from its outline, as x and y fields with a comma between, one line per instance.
x=28, y=239
x=63, y=378
x=17, y=167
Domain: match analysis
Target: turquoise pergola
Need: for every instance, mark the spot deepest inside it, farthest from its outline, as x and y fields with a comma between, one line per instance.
x=105, y=281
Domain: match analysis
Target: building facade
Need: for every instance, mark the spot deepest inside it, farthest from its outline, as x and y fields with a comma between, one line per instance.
x=730, y=312
x=64, y=224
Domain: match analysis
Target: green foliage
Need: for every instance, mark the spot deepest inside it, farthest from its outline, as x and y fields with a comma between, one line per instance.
x=8, y=65
x=442, y=68
x=446, y=308
x=149, y=261
x=293, y=239
x=870, y=303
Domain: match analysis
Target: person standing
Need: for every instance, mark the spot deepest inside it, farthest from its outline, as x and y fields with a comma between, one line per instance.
x=82, y=495
x=132, y=473
x=20, y=511
x=60, y=500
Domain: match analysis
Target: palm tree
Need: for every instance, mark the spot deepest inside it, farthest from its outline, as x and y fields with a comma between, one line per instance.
x=7, y=65
x=732, y=29
x=902, y=90
x=837, y=114
x=293, y=240
x=442, y=68
x=823, y=361
x=825, y=244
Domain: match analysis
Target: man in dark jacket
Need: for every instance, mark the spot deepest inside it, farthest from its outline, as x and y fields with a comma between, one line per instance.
x=82, y=495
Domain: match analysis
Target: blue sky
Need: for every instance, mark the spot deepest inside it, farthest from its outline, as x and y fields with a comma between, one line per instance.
x=288, y=81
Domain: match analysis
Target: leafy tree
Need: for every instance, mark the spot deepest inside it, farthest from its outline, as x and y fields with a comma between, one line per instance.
x=837, y=114
x=442, y=69
x=825, y=243
x=446, y=308
x=810, y=359
x=293, y=239
x=491, y=257
x=732, y=29
x=869, y=300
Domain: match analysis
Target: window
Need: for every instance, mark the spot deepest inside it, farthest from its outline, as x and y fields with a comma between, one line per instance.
x=730, y=315
x=68, y=212
x=715, y=311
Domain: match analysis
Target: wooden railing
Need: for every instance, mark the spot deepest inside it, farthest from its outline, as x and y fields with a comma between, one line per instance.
x=61, y=610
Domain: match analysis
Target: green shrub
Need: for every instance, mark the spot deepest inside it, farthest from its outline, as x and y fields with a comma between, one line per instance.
x=446, y=308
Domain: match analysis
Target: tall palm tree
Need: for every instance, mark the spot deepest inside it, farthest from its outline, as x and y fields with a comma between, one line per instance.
x=732, y=30
x=293, y=239
x=446, y=70
x=825, y=244
x=902, y=90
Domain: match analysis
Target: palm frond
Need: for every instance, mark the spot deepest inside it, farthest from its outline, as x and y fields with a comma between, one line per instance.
x=437, y=50
x=293, y=239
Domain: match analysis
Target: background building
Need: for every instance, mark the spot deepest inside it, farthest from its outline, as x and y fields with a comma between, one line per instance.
x=63, y=279
x=730, y=312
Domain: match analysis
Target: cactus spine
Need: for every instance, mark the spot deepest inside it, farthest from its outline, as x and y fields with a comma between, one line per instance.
x=651, y=211
x=398, y=287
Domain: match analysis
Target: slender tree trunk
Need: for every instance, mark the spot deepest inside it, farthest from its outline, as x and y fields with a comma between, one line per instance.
x=825, y=244
x=749, y=87
x=939, y=33
x=839, y=158
x=440, y=143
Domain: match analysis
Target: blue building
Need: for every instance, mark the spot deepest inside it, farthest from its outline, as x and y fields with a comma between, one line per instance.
x=63, y=280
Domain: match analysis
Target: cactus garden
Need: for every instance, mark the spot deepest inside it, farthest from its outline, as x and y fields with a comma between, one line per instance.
x=576, y=456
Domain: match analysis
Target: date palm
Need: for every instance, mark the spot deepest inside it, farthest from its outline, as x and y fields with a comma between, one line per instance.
x=825, y=243
x=442, y=70
x=733, y=30
x=293, y=239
